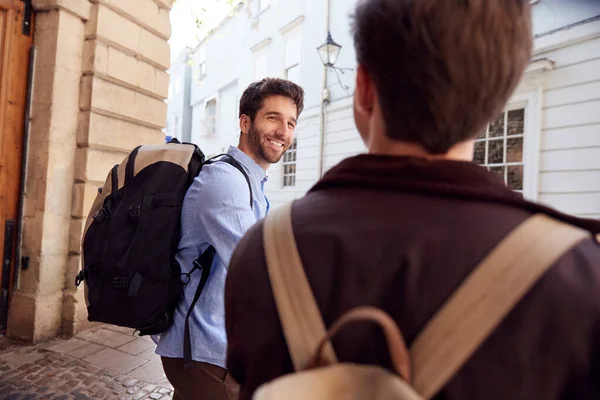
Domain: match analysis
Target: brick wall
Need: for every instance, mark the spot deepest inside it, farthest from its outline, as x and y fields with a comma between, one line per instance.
x=99, y=90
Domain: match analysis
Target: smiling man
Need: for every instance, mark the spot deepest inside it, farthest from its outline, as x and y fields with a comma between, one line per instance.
x=220, y=206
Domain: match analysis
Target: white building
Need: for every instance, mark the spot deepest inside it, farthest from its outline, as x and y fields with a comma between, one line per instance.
x=179, y=111
x=546, y=144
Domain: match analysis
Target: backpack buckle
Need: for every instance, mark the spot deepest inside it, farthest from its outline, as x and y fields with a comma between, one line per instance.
x=134, y=212
x=100, y=216
x=120, y=282
x=81, y=276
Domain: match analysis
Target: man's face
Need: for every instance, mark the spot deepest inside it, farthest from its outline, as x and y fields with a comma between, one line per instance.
x=272, y=131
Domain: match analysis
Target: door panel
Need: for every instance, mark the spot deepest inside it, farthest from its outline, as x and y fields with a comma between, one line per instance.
x=14, y=67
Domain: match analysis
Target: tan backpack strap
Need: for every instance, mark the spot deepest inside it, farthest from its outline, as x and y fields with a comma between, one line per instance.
x=300, y=317
x=485, y=298
x=394, y=339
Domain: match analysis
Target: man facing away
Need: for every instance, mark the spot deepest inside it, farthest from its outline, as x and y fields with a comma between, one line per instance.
x=217, y=212
x=401, y=227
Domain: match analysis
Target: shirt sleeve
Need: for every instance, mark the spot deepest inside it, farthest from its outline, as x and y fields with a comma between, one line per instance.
x=221, y=208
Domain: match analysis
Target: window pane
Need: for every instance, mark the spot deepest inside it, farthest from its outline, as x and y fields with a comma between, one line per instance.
x=285, y=181
x=514, y=150
x=515, y=177
x=496, y=151
x=516, y=122
x=482, y=134
x=293, y=47
x=498, y=171
x=293, y=180
x=293, y=156
x=497, y=127
x=293, y=73
x=479, y=154
x=261, y=64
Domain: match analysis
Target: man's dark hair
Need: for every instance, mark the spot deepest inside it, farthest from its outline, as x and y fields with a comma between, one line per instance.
x=442, y=68
x=254, y=95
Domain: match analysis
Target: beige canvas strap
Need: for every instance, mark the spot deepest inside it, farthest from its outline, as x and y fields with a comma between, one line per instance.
x=485, y=298
x=457, y=329
x=301, y=320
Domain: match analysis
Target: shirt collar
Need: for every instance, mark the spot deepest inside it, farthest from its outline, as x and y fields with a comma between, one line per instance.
x=248, y=163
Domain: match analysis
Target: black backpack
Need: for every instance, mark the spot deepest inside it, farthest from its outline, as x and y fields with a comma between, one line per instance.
x=131, y=238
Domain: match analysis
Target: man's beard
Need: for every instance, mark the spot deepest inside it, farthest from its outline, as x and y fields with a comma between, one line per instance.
x=258, y=148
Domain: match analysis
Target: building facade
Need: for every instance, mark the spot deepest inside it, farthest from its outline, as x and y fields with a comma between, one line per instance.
x=545, y=145
x=82, y=82
x=179, y=112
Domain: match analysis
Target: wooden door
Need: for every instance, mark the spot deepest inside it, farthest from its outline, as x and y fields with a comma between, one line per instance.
x=16, y=38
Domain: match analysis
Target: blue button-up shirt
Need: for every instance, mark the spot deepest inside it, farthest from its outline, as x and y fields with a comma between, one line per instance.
x=216, y=211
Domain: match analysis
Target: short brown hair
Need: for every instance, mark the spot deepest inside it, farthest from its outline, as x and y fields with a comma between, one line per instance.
x=254, y=95
x=442, y=68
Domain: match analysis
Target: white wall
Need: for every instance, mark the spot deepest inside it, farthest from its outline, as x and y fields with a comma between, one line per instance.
x=570, y=143
x=177, y=107
x=562, y=160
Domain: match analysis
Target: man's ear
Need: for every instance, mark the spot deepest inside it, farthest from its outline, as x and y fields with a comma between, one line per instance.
x=245, y=124
x=365, y=91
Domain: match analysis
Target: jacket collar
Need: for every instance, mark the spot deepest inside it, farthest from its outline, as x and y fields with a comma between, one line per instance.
x=440, y=178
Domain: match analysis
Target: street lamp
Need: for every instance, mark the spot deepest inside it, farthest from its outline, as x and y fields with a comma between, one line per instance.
x=329, y=51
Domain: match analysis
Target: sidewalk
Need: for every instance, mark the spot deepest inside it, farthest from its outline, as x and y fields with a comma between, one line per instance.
x=107, y=362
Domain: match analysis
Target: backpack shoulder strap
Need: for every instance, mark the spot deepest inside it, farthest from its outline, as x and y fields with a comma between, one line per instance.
x=486, y=297
x=301, y=320
x=229, y=159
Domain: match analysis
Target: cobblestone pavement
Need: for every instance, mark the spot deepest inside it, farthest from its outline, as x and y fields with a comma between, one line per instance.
x=102, y=363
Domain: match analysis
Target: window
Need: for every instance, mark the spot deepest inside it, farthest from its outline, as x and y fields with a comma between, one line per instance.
x=210, y=117
x=201, y=63
x=175, y=126
x=289, y=166
x=261, y=63
x=293, y=47
x=500, y=148
x=201, y=72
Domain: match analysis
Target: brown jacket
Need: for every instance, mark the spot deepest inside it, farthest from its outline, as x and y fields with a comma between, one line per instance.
x=401, y=234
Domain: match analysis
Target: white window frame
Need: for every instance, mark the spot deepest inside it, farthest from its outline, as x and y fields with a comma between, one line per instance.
x=206, y=123
x=258, y=53
x=285, y=163
x=201, y=72
x=530, y=101
x=175, y=130
x=200, y=61
x=289, y=32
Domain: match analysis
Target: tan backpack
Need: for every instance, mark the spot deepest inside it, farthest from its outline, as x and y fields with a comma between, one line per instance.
x=448, y=340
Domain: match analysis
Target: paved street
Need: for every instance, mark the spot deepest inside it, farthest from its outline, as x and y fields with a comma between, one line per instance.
x=107, y=362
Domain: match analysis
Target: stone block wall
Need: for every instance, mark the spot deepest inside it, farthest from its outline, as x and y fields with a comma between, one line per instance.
x=99, y=90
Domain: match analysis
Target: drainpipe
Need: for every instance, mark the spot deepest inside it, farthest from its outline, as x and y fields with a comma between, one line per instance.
x=23, y=262
x=324, y=100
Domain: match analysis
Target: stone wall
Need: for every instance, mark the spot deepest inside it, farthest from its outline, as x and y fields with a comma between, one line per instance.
x=99, y=90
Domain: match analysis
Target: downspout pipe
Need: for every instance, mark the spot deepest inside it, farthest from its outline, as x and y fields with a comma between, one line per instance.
x=23, y=262
x=324, y=100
